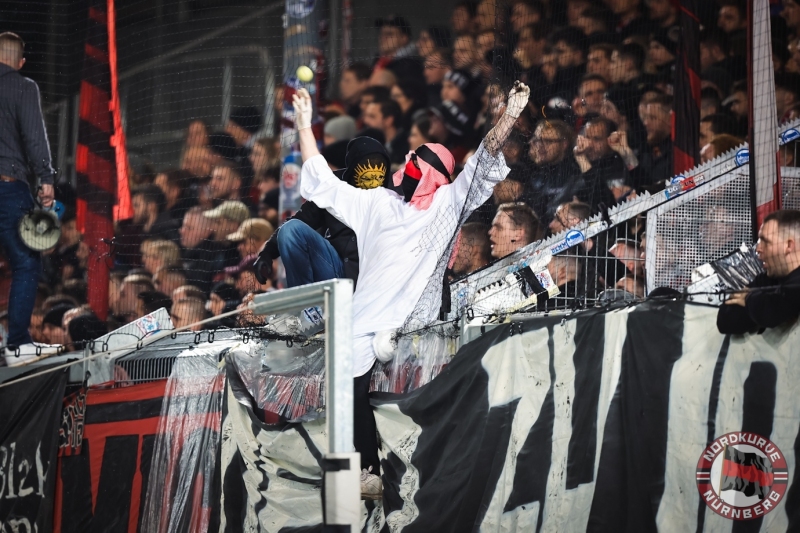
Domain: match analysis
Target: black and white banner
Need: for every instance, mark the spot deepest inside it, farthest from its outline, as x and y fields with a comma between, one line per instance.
x=30, y=413
x=591, y=423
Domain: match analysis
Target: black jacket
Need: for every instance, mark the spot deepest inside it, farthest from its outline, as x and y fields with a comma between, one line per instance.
x=547, y=186
x=766, y=308
x=23, y=139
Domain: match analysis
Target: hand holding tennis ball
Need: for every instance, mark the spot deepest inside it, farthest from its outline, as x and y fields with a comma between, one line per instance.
x=304, y=74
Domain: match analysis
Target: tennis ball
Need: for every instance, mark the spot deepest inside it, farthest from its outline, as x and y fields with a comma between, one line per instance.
x=305, y=74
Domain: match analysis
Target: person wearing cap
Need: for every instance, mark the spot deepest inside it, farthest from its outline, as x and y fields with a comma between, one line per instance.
x=450, y=127
x=52, y=325
x=403, y=238
x=342, y=128
x=226, y=219
x=243, y=125
x=394, y=40
x=251, y=236
x=309, y=257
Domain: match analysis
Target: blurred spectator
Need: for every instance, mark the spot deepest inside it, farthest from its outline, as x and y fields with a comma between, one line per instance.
x=627, y=66
x=52, y=325
x=473, y=250
x=570, y=48
x=462, y=18
x=201, y=256
x=75, y=289
x=125, y=305
x=411, y=96
x=195, y=145
x=394, y=40
x=159, y=253
x=188, y=312
x=431, y=39
x=525, y=12
x=84, y=329
x=631, y=284
x=486, y=16
x=589, y=101
x=460, y=87
x=437, y=64
x=718, y=145
x=226, y=218
x=555, y=176
x=339, y=129
x=148, y=222
x=387, y=118
x=627, y=252
x=568, y=215
x=465, y=54
x=514, y=226
x=224, y=297
x=373, y=95
x=176, y=186
x=188, y=291
x=715, y=125
x=575, y=9
x=226, y=184
x=710, y=102
x=603, y=168
x=449, y=127
x=420, y=132
x=663, y=12
x=732, y=19
x=656, y=162
x=244, y=276
x=268, y=208
x=168, y=278
x=354, y=80
x=568, y=274
x=251, y=236
x=36, y=328
x=266, y=157
x=738, y=100
x=786, y=95
x=630, y=19
x=713, y=49
x=598, y=62
x=242, y=125
x=662, y=52
x=596, y=23
x=530, y=49
x=791, y=14
x=151, y=301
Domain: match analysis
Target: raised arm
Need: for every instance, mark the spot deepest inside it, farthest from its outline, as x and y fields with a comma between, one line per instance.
x=517, y=100
x=303, y=113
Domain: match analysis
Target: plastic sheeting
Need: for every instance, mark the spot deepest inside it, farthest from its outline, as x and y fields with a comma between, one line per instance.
x=739, y=268
x=419, y=359
x=182, y=493
x=283, y=378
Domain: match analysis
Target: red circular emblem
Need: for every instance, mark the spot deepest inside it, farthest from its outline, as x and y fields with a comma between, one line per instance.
x=742, y=476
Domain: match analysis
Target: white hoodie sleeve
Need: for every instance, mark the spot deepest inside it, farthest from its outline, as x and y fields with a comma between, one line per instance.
x=481, y=173
x=348, y=204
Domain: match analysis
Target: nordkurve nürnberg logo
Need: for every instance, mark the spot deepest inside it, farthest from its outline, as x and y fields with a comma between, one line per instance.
x=742, y=476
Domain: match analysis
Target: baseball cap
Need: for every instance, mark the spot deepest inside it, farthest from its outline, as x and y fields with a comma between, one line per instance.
x=232, y=210
x=256, y=228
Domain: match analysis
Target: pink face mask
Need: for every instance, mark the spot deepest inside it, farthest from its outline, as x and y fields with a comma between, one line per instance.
x=434, y=164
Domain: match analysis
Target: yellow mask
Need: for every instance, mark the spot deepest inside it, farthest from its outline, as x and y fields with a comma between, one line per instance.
x=368, y=176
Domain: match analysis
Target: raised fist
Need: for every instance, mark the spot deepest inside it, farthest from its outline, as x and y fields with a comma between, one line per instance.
x=302, y=108
x=517, y=99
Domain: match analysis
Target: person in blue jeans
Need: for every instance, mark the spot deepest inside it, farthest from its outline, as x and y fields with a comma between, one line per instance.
x=313, y=244
x=23, y=146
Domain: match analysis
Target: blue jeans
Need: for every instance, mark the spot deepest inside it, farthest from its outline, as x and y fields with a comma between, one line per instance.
x=15, y=201
x=306, y=255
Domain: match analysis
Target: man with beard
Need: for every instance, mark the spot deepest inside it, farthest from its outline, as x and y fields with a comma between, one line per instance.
x=399, y=242
x=603, y=169
x=555, y=176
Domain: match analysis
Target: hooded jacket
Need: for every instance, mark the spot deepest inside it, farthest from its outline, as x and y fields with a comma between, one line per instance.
x=341, y=237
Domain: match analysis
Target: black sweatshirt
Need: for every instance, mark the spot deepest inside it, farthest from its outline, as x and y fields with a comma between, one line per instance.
x=777, y=301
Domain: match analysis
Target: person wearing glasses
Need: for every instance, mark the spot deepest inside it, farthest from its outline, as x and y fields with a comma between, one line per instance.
x=554, y=177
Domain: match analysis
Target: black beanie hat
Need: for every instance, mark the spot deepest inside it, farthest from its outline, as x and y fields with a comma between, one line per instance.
x=86, y=328
x=56, y=314
x=359, y=149
x=248, y=118
x=335, y=154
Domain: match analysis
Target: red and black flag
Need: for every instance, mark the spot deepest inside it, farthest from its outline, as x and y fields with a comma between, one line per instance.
x=686, y=118
x=746, y=472
x=100, y=150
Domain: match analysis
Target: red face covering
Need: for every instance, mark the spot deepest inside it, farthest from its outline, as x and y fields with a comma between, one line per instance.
x=419, y=184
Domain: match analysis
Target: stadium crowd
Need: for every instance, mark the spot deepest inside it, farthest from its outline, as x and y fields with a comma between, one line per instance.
x=597, y=131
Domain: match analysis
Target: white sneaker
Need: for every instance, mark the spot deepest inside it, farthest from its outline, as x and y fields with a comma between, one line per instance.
x=371, y=485
x=27, y=353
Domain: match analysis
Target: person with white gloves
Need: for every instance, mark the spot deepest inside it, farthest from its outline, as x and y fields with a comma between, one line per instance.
x=401, y=240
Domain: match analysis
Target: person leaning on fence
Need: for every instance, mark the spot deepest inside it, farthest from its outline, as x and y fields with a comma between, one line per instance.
x=394, y=268
x=773, y=297
x=23, y=144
